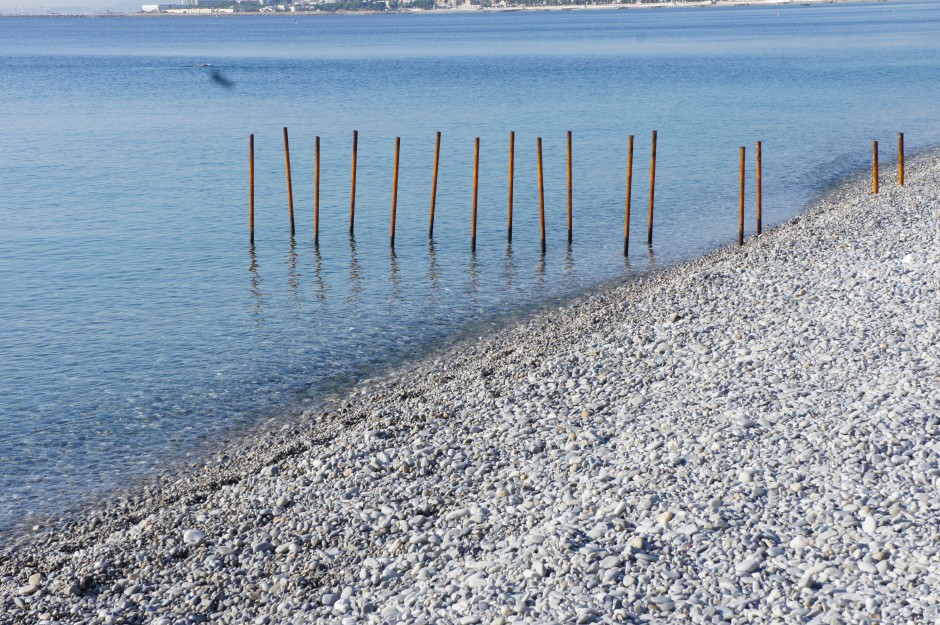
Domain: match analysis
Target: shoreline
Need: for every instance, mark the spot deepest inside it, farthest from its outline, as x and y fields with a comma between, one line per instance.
x=565, y=430
x=699, y=4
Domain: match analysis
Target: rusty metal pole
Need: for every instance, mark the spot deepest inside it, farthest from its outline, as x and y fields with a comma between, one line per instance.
x=569, y=189
x=476, y=185
x=541, y=196
x=760, y=175
x=251, y=189
x=741, y=202
x=874, y=162
x=626, y=219
x=290, y=191
x=437, y=157
x=512, y=162
x=394, y=193
x=352, y=192
x=649, y=232
x=316, y=191
x=901, y=158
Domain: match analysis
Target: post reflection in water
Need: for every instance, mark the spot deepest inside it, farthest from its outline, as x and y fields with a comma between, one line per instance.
x=650, y=259
x=356, y=286
x=394, y=278
x=540, y=272
x=293, y=277
x=473, y=276
x=568, y=270
x=509, y=267
x=318, y=274
x=433, y=274
x=257, y=294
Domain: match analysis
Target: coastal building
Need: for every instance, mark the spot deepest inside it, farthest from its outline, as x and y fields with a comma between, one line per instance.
x=197, y=7
x=217, y=6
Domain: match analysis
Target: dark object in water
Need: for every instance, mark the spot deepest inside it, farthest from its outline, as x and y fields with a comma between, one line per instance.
x=221, y=80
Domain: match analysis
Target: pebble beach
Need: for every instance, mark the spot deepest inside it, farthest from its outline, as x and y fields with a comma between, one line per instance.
x=750, y=437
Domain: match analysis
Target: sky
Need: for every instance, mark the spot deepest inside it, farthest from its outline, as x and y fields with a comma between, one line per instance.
x=65, y=6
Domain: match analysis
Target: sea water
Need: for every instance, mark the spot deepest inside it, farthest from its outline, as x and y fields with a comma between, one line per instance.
x=138, y=326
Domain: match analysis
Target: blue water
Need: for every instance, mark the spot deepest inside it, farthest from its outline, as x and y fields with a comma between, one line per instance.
x=137, y=325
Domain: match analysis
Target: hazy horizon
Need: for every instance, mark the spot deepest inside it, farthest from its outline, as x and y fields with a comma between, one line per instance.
x=20, y=6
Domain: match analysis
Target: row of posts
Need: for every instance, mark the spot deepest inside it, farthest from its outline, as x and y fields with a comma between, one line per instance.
x=437, y=153
x=874, y=162
x=476, y=179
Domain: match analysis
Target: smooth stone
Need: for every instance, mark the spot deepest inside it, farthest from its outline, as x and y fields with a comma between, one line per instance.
x=194, y=537
x=664, y=604
x=611, y=562
x=457, y=514
x=285, y=547
x=799, y=542
x=261, y=546
x=637, y=401
x=748, y=565
x=477, y=580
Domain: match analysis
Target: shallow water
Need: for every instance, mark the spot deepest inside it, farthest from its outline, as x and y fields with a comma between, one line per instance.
x=138, y=323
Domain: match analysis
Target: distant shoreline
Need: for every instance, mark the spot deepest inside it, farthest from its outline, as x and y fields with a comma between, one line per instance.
x=510, y=9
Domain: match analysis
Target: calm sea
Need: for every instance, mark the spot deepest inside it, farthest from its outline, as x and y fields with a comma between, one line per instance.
x=137, y=325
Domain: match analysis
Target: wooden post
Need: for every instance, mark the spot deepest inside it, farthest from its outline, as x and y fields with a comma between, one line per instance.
x=569, y=189
x=874, y=163
x=437, y=157
x=649, y=232
x=541, y=196
x=251, y=189
x=901, y=158
x=741, y=202
x=626, y=219
x=316, y=191
x=476, y=184
x=512, y=160
x=352, y=192
x=290, y=191
x=394, y=192
x=759, y=188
